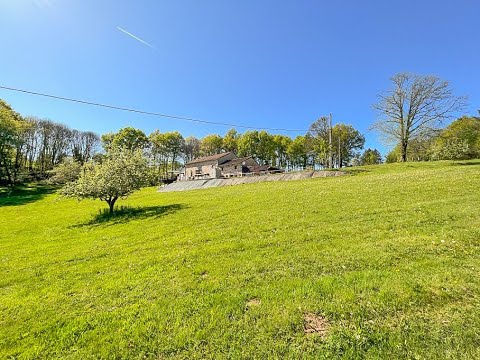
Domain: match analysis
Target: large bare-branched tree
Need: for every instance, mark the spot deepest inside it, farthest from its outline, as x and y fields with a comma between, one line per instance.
x=414, y=107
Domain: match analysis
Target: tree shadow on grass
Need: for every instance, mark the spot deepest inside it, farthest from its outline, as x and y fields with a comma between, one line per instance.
x=466, y=163
x=24, y=194
x=355, y=171
x=125, y=214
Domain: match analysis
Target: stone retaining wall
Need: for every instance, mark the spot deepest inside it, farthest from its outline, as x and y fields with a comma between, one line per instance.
x=205, y=184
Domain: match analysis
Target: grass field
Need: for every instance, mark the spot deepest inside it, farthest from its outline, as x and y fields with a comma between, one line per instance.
x=388, y=258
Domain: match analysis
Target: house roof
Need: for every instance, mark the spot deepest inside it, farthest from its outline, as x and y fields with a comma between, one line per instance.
x=208, y=159
x=237, y=161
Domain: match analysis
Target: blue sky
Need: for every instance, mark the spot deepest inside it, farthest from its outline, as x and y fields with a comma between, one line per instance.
x=256, y=63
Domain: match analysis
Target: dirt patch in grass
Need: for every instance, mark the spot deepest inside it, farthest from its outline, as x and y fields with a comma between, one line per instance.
x=252, y=303
x=315, y=324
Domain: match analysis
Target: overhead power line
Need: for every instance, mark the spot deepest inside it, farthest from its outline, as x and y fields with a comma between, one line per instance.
x=137, y=111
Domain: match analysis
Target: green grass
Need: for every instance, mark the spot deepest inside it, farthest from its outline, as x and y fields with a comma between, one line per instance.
x=389, y=256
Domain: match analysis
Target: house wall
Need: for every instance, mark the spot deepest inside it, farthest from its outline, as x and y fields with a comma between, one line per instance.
x=208, y=170
x=233, y=170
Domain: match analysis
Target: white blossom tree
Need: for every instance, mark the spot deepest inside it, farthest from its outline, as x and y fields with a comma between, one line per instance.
x=120, y=173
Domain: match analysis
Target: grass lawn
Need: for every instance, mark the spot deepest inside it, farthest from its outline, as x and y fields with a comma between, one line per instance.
x=388, y=259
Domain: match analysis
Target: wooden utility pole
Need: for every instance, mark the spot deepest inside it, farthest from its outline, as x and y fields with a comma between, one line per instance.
x=330, y=145
x=339, y=152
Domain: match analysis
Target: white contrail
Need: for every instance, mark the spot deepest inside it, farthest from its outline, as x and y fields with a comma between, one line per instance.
x=136, y=38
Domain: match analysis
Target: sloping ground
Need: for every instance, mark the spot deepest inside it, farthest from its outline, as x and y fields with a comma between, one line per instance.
x=205, y=184
x=383, y=264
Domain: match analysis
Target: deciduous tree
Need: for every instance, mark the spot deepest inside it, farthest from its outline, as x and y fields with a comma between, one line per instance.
x=11, y=125
x=230, y=141
x=371, y=157
x=191, y=149
x=211, y=145
x=466, y=130
x=413, y=106
x=346, y=140
x=127, y=138
x=120, y=173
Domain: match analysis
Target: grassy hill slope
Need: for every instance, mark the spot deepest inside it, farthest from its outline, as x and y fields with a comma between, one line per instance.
x=388, y=257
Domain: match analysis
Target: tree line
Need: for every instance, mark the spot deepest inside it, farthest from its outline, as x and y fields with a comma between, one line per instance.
x=169, y=151
x=411, y=116
x=31, y=147
x=458, y=141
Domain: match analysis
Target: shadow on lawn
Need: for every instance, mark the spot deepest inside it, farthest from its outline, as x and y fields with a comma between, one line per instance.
x=355, y=171
x=466, y=163
x=24, y=194
x=124, y=214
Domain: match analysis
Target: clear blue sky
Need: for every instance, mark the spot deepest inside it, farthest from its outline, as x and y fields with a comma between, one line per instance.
x=257, y=63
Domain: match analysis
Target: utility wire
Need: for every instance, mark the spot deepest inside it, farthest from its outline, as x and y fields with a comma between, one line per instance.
x=84, y=102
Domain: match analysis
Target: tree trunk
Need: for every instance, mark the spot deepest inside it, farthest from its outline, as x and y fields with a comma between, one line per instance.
x=111, y=203
x=404, y=151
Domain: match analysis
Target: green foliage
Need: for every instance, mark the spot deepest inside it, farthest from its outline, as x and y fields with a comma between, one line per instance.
x=393, y=156
x=371, y=157
x=297, y=152
x=67, y=171
x=266, y=147
x=455, y=149
x=420, y=149
x=211, y=145
x=318, y=137
x=165, y=149
x=248, y=144
x=11, y=129
x=463, y=136
x=127, y=138
x=346, y=139
x=389, y=257
x=280, y=147
x=230, y=141
x=191, y=149
x=120, y=173
x=460, y=140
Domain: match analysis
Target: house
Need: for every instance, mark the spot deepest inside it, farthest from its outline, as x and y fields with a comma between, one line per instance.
x=207, y=167
x=238, y=166
x=224, y=165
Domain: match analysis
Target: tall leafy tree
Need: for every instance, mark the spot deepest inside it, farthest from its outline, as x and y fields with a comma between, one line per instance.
x=266, y=147
x=11, y=128
x=319, y=139
x=371, y=157
x=159, y=152
x=297, y=153
x=248, y=144
x=346, y=139
x=230, y=141
x=127, y=138
x=211, y=145
x=174, y=143
x=280, y=147
x=191, y=149
x=466, y=131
